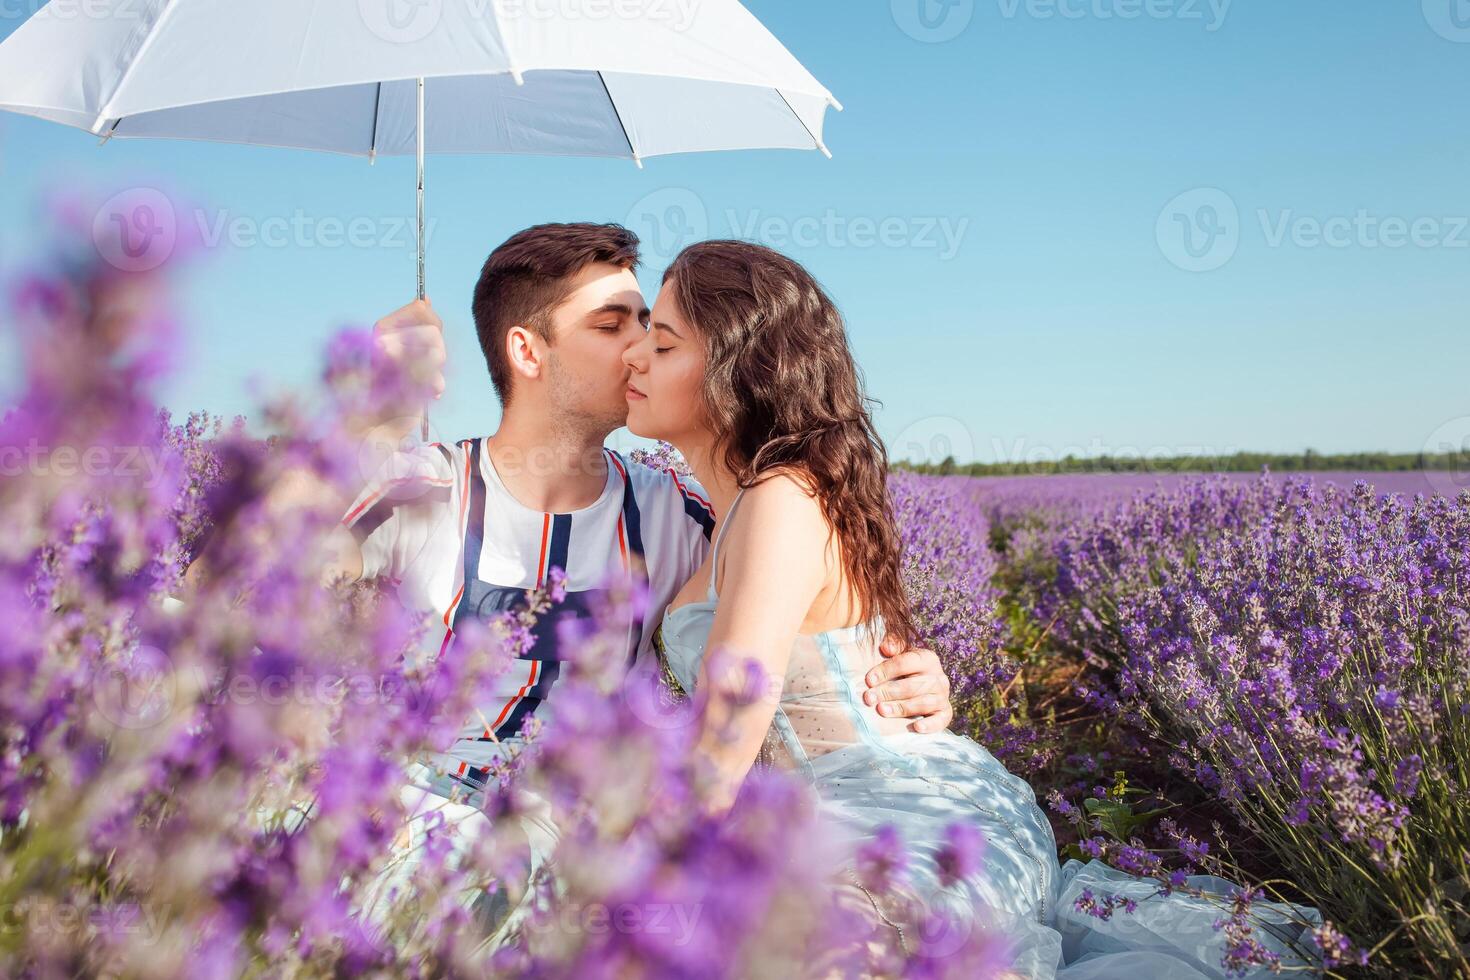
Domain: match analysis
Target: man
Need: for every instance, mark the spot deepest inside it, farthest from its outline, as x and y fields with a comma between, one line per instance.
x=467, y=529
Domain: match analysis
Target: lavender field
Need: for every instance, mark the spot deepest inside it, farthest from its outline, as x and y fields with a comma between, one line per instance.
x=1260, y=676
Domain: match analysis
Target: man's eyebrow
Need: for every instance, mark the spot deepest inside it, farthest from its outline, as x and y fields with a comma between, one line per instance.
x=665, y=326
x=621, y=309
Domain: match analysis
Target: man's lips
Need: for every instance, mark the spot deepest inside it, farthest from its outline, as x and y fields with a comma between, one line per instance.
x=633, y=394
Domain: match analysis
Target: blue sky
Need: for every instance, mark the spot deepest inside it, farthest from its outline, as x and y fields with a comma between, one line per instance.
x=1038, y=173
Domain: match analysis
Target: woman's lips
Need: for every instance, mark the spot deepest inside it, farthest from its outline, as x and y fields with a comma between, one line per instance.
x=634, y=394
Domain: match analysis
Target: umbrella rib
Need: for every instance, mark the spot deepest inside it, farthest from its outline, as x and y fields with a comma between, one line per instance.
x=377, y=105
x=815, y=142
x=122, y=82
x=619, y=116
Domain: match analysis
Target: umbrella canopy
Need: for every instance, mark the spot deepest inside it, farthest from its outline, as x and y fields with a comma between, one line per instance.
x=609, y=78
x=603, y=78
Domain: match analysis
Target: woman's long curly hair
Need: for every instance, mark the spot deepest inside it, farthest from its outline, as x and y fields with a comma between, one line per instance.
x=781, y=390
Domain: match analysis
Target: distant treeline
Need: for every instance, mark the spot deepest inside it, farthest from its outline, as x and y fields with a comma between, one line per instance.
x=1236, y=463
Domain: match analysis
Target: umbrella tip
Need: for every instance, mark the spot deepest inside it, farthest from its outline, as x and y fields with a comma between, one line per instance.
x=515, y=74
x=638, y=161
x=110, y=130
x=832, y=101
x=825, y=152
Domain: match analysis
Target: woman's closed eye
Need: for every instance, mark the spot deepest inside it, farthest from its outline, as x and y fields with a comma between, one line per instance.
x=662, y=350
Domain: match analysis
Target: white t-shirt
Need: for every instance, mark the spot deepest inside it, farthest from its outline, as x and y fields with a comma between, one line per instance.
x=440, y=522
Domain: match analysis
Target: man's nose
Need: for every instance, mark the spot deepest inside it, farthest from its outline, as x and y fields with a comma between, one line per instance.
x=632, y=354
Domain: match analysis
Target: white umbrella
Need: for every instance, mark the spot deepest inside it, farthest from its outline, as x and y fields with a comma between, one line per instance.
x=608, y=78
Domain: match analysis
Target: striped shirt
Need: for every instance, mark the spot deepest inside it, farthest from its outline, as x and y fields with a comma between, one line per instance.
x=439, y=521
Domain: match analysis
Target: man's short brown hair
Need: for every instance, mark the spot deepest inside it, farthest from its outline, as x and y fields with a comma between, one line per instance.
x=527, y=278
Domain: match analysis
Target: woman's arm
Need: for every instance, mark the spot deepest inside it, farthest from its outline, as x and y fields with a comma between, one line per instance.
x=775, y=564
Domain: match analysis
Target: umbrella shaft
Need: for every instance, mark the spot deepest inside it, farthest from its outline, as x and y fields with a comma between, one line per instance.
x=419, y=156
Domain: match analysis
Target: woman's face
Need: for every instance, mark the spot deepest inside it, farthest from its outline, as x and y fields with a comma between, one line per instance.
x=667, y=365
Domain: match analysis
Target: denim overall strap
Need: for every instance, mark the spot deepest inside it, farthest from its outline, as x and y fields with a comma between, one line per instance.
x=631, y=530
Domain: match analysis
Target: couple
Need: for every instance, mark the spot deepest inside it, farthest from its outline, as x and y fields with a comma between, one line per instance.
x=784, y=549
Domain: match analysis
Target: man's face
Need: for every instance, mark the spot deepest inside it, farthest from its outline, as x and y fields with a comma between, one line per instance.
x=602, y=318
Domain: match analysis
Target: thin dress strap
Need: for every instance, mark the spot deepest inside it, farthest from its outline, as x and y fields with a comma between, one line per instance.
x=714, y=558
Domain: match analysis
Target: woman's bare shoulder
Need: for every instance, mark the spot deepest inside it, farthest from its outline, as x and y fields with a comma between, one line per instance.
x=783, y=483
x=783, y=500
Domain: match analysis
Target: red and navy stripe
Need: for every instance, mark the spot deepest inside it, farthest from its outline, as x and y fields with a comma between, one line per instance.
x=379, y=505
x=696, y=507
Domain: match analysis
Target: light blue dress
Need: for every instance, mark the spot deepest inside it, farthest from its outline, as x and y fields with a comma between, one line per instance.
x=870, y=771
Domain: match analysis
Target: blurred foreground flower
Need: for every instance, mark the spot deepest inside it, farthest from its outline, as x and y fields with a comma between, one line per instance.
x=223, y=786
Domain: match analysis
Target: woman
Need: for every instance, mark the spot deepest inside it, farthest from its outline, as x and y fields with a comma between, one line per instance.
x=746, y=370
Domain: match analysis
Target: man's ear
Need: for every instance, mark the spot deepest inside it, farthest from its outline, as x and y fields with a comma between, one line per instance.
x=526, y=352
